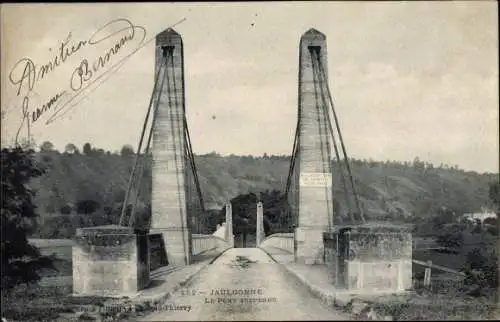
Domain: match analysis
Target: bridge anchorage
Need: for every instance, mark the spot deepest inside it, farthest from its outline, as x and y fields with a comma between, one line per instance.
x=119, y=260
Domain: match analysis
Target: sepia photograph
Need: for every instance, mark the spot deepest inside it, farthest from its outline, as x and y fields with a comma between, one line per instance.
x=250, y=161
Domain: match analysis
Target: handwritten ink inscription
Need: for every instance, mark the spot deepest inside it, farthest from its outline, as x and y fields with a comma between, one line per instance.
x=120, y=37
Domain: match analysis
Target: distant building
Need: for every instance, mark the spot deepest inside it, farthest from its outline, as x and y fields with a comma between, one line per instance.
x=482, y=215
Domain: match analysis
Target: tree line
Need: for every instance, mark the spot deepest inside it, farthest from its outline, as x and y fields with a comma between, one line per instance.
x=128, y=150
x=87, y=149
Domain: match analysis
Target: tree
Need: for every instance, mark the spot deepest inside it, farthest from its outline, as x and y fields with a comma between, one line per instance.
x=65, y=210
x=446, y=215
x=478, y=226
x=87, y=149
x=60, y=227
x=46, y=146
x=494, y=194
x=127, y=150
x=142, y=216
x=451, y=240
x=20, y=261
x=87, y=206
x=481, y=269
x=437, y=223
x=492, y=221
x=417, y=164
x=50, y=208
x=71, y=149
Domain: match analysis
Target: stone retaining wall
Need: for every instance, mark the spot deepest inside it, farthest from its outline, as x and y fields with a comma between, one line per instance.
x=110, y=261
x=370, y=259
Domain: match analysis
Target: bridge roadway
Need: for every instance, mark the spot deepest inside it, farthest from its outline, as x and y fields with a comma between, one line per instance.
x=272, y=294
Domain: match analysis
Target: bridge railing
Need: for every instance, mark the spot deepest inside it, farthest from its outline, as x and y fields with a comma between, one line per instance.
x=202, y=243
x=423, y=243
x=283, y=241
x=429, y=264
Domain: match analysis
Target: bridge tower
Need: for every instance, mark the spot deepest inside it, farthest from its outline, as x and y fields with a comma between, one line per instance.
x=170, y=213
x=313, y=202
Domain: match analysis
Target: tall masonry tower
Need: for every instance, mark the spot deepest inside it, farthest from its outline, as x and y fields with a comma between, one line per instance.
x=313, y=200
x=169, y=173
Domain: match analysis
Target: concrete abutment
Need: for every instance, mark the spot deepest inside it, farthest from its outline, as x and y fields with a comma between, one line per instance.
x=368, y=258
x=110, y=261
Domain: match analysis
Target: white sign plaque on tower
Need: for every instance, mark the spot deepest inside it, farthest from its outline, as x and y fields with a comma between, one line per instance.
x=316, y=179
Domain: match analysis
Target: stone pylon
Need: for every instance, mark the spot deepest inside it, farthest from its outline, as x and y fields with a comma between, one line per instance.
x=314, y=197
x=260, y=235
x=229, y=225
x=169, y=170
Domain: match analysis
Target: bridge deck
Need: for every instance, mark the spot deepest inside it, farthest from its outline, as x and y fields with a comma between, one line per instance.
x=274, y=294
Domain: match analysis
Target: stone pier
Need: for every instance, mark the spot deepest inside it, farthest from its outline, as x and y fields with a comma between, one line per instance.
x=170, y=216
x=314, y=200
x=229, y=225
x=260, y=235
x=369, y=259
x=110, y=261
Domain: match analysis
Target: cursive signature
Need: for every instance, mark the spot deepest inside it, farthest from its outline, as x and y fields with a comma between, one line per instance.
x=84, y=72
x=30, y=74
x=30, y=117
x=90, y=72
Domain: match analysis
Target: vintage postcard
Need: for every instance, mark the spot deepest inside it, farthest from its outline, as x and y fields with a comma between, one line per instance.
x=216, y=161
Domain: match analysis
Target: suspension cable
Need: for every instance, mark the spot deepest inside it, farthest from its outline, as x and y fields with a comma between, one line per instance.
x=320, y=131
x=189, y=155
x=292, y=160
x=146, y=152
x=189, y=179
x=141, y=171
x=176, y=105
x=327, y=114
x=193, y=165
x=295, y=152
x=132, y=175
x=346, y=160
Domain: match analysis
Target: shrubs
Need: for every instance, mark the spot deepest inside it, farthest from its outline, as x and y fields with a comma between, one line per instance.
x=451, y=240
x=481, y=271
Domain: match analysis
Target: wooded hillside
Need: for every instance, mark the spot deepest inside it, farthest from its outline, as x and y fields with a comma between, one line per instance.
x=93, y=184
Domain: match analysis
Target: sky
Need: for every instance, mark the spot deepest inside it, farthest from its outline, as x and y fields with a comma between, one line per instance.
x=409, y=79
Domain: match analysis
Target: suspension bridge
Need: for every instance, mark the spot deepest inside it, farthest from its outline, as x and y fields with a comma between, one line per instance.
x=124, y=258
